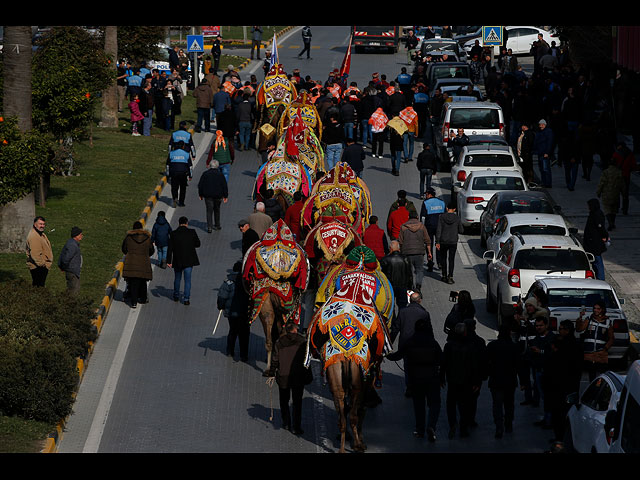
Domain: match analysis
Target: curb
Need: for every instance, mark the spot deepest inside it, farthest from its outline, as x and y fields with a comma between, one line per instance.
x=53, y=440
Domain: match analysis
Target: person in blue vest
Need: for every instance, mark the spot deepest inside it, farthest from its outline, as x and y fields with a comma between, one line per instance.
x=404, y=82
x=183, y=135
x=179, y=170
x=421, y=106
x=134, y=81
x=431, y=210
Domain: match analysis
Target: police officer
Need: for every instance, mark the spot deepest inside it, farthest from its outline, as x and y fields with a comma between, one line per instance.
x=597, y=339
x=183, y=135
x=179, y=170
x=431, y=210
x=526, y=329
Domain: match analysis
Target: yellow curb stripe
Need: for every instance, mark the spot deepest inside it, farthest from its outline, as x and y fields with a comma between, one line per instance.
x=632, y=337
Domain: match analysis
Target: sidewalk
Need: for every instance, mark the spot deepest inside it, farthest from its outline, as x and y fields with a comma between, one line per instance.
x=622, y=259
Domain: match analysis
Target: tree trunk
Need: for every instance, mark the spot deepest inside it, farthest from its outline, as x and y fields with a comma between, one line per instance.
x=17, y=217
x=109, y=117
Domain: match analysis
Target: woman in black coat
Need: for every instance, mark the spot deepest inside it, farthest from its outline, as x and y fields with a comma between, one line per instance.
x=461, y=311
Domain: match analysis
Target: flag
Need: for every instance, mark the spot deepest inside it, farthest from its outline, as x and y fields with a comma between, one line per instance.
x=274, y=53
x=346, y=66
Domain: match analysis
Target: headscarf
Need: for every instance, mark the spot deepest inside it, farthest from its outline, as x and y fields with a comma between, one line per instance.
x=219, y=140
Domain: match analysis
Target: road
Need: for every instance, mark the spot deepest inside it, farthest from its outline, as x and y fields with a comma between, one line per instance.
x=159, y=382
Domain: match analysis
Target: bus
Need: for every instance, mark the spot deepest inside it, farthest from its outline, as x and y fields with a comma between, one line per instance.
x=376, y=37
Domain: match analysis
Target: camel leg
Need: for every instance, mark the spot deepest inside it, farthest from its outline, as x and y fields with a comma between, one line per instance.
x=334, y=376
x=357, y=390
x=267, y=316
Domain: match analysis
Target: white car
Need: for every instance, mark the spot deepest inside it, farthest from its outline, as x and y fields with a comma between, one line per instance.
x=568, y=296
x=584, y=431
x=526, y=224
x=519, y=39
x=621, y=422
x=523, y=259
x=477, y=158
x=479, y=186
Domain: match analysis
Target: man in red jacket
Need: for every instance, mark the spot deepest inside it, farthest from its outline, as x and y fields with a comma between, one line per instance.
x=375, y=238
x=292, y=215
x=397, y=218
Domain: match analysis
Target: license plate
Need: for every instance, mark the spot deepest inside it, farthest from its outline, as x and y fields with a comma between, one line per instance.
x=375, y=44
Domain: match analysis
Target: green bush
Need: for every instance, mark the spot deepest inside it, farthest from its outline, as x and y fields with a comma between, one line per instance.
x=41, y=336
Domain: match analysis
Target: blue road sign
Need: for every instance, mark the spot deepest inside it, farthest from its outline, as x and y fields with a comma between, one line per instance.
x=195, y=43
x=492, y=36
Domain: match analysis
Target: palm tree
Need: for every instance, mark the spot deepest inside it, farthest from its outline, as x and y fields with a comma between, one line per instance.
x=17, y=218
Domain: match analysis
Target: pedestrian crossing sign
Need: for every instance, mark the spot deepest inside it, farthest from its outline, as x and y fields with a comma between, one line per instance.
x=491, y=36
x=195, y=43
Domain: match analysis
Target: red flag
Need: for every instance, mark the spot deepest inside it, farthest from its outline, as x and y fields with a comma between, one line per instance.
x=346, y=66
x=295, y=134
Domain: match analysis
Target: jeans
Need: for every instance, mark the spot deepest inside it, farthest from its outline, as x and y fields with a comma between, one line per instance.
x=245, y=134
x=162, y=254
x=425, y=180
x=408, y=142
x=348, y=130
x=396, y=160
x=377, y=143
x=448, y=256
x=571, y=174
x=333, y=155
x=417, y=262
x=179, y=272
x=544, y=164
x=598, y=267
x=224, y=168
x=428, y=391
x=146, y=123
x=213, y=211
x=367, y=136
x=204, y=114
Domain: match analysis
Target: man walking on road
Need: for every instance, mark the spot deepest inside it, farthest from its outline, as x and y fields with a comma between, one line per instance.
x=39, y=253
x=397, y=269
x=179, y=167
x=182, y=257
x=256, y=41
x=431, y=210
x=414, y=243
x=449, y=227
x=70, y=261
x=212, y=187
x=306, y=39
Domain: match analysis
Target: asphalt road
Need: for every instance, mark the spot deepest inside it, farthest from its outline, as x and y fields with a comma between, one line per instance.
x=159, y=382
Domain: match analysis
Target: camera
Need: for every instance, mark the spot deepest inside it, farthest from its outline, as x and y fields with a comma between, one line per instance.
x=453, y=296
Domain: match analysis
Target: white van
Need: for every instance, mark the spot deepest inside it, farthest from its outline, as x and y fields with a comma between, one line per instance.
x=622, y=425
x=476, y=118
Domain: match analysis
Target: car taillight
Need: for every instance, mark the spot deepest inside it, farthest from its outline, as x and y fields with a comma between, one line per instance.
x=553, y=323
x=589, y=274
x=445, y=132
x=462, y=176
x=501, y=244
x=475, y=199
x=514, y=277
x=501, y=128
x=620, y=326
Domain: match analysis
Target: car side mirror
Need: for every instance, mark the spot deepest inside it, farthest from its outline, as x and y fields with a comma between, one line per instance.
x=532, y=185
x=610, y=425
x=489, y=255
x=480, y=207
x=572, y=399
x=458, y=184
x=590, y=257
x=573, y=231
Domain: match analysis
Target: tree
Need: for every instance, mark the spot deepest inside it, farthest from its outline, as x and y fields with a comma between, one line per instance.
x=16, y=216
x=110, y=94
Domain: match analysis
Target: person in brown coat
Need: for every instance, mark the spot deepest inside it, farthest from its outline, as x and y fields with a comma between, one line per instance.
x=287, y=365
x=204, y=100
x=138, y=249
x=39, y=254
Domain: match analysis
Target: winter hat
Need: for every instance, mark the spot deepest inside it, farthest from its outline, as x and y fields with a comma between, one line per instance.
x=75, y=231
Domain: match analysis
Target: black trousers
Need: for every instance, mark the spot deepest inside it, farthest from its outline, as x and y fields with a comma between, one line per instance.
x=295, y=394
x=448, y=257
x=458, y=402
x=39, y=276
x=307, y=48
x=213, y=211
x=426, y=394
x=503, y=406
x=137, y=290
x=179, y=187
x=238, y=330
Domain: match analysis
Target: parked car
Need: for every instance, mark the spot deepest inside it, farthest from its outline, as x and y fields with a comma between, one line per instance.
x=436, y=46
x=503, y=203
x=523, y=259
x=584, y=432
x=567, y=297
x=477, y=158
x=446, y=70
x=519, y=39
x=477, y=118
x=479, y=186
x=524, y=224
x=622, y=424
x=459, y=89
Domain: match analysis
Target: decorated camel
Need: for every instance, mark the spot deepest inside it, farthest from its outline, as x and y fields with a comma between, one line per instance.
x=276, y=273
x=350, y=335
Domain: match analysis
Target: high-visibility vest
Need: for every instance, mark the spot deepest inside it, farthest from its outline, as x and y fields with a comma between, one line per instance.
x=596, y=335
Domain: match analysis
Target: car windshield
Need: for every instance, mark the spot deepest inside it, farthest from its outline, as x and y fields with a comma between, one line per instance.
x=488, y=160
x=538, y=230
x=451, y=72
x=578, y=297
x=497, y=183
x=474, y=118
x=551, y=260
x=524, y=205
